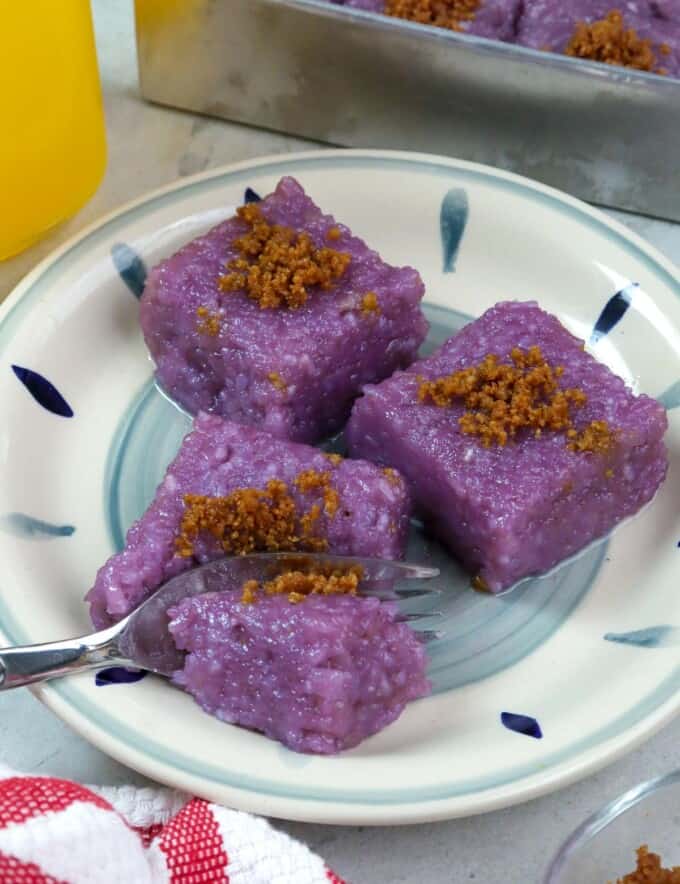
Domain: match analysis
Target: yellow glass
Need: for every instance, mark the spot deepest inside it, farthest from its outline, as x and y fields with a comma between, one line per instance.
x=52, y=135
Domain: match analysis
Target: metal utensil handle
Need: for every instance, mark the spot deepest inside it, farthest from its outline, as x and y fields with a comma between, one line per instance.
x=29, y=664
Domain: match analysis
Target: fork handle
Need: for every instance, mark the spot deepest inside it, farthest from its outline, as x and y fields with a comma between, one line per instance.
x=29, y=664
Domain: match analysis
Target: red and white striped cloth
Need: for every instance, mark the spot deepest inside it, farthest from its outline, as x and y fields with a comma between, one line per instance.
x=57, y=832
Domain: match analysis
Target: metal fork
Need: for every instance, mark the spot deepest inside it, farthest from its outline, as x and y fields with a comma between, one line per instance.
x=142, y=639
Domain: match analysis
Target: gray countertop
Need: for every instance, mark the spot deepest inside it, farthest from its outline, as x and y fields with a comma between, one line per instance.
x=151, y=146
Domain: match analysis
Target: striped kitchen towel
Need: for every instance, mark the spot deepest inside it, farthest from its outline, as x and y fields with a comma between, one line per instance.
x=55, y=831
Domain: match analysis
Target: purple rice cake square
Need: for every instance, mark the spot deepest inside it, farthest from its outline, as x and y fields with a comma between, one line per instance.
x=518, y=446
x=278, y=316
x=320, y=675
x=233, y=489
x=551, y=25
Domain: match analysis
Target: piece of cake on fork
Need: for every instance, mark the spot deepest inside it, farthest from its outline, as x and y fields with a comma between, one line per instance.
x=320, y=674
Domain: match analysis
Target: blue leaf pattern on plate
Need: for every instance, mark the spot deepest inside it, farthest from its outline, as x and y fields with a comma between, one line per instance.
x=119, y=675
x=670, y=398
x=252, y=196
x=21, y=525
x=522, y=724
x=130, y=267
x=44, y=393
x=613, y=312
x=664, y=636
x=452, y=222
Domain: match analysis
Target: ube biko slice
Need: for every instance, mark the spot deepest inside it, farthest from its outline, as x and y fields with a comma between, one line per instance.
x=515, y=509
x=233, y=489
x=320, y=676
x=276, y=317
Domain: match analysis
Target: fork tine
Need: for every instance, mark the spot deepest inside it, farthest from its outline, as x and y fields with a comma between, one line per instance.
x=416, y=593
x=412, y=571
x=396, y=595
x=373, y=569
x=411, y=618
x=385, y=569
x=428, y=635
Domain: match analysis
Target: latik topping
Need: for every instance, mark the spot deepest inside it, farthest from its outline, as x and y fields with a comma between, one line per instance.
x=609, y=41
x=277, y=266
x=502, y=399
x=299, y=585
x=440, y=13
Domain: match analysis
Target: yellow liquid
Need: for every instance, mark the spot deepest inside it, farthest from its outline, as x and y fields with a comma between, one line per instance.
x=52, y=136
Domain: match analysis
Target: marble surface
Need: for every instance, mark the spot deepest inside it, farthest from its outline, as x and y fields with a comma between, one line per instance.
x=151, y=146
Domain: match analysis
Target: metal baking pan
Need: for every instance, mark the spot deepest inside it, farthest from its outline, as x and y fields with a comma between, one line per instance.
x=608, y=135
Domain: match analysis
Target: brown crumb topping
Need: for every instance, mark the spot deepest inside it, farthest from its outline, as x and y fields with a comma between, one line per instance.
x=333, y=234
x=250, y=520
x=393, y=476
x=277, y=381
x=650, y=871
x=479, y=584
x=440, y=13
x=278, y=266
x=501, y=399
x=208, y=323
x=299, y=585
x=310, y=480
x=249, y=592
x=309, y=519
x=313, y=480
x=609, y=41
x=335, y=459
x=596, y=438
x=369, y=305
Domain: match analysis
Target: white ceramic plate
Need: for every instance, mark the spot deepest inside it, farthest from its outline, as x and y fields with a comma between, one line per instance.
x=71, y=485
